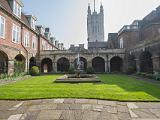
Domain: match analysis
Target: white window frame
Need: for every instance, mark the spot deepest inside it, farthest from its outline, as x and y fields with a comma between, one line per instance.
x=2, y=35
x=26, y=39
x=17, y=30
x=121, y=43
x=33, y=24
x=34, y=44
x=17, y=9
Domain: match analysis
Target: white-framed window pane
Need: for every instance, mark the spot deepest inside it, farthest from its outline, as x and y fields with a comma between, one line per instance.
x=33, y=42
x=2, y=27
x=17, y=9
x=26, y=39
x=16, y=34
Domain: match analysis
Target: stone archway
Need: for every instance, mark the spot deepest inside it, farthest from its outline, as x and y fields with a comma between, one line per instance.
x=116, y=64
x=19, y=63
x=131, y=60
x=83, y=62
x=63, y=65
x=46, y=65
x=32, y=62
x=3, y=63
x=146, y=64
x=98, y=64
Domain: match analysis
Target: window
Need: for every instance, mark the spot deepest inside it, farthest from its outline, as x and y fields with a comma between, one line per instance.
x=17, y=9
x=26, y=39
x=34, y=42
x=33, y=23
x=16, y=33
x=2, y=27
x=121, y=43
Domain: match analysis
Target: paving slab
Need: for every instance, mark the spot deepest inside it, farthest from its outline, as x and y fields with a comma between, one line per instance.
x=155, y=112
x=108, y=103
x=111, y=109
x=144, y=113
x=15, y=117
x=91, y=115
x=49, y=115
x=124, y=116
x=108, y=116
x=78, y=109
x=122, y=108
x=43, y=107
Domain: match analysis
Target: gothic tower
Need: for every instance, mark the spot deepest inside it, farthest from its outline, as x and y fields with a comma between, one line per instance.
x=95, y=24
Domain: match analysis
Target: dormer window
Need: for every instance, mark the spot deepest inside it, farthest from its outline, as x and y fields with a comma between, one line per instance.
x=33, y=24
x=17, y=9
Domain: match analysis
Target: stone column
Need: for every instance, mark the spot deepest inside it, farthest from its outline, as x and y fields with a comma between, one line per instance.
x=10, y=67
x=55, y=67
x=138, y=65
x=89, y=63
x=27, y=65
x=109, y=67
x=156, y=63
x=106, y=66
x=38, y=63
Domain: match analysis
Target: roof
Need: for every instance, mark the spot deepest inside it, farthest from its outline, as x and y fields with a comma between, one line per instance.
x=5, y=4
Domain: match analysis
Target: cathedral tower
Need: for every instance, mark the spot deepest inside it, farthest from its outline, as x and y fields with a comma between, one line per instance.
x=95, y=24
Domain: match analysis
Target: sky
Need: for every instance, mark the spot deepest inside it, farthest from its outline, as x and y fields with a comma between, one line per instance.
x=67, y=19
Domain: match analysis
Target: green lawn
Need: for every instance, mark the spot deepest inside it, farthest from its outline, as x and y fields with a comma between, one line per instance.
x=114, y=87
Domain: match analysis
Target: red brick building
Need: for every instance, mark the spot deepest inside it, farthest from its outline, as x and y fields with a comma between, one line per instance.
x=20, y=38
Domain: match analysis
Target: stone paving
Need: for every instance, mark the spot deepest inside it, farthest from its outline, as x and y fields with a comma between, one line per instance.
x=78, y=109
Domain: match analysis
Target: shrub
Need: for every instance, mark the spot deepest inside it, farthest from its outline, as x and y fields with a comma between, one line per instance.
x=34, y=71
x=150, y=76
x=71, y=70
x=157, y=76
x=4, y=76
x=90, y=70
x=19, y=66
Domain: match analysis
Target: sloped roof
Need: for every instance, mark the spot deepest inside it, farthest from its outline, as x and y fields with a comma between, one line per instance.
x=5, y=4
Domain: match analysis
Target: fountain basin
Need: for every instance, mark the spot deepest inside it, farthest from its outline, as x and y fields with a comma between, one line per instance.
x=83, y=78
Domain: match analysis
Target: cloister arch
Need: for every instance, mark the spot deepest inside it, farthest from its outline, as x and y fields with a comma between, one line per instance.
x=46, y=65
x=98, y=64
x=32, y=62
x=116, y=64
x=83, y=62
x=19, y=63
x=3, y=62
x=146, y=64
x=63, y=65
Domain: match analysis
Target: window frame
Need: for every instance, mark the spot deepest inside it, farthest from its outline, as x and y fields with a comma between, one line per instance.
x=17, y=9
x=16, y=32
x=26, y=39
x=34, y=42
x=4, y=27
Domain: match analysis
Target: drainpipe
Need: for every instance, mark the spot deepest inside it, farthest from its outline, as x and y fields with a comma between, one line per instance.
x=27, y=60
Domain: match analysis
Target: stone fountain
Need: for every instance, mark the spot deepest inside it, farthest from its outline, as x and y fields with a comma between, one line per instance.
x=78, y=77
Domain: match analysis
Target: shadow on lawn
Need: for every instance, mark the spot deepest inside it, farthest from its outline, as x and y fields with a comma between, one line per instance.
x=131, y=84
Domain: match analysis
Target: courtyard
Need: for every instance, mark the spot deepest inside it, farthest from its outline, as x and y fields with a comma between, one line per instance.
x=112, y=87
x=117, y=97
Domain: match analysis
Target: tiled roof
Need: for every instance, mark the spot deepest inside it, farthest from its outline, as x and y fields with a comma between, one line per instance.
x=5, y=4
x=24, y=19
